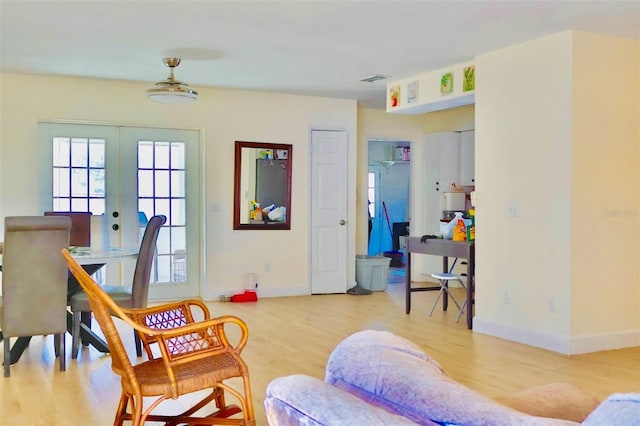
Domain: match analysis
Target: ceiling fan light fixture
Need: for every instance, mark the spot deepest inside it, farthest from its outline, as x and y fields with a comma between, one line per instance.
x=172, y=91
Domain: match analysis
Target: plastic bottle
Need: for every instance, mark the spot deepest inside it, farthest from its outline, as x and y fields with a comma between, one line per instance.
x=471, y=229
x=459, y=230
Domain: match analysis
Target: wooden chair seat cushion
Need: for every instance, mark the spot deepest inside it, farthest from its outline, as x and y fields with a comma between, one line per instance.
x=122, y=295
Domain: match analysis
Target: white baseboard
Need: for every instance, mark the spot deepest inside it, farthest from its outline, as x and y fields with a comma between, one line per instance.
x=605, y=342
x=566, y=345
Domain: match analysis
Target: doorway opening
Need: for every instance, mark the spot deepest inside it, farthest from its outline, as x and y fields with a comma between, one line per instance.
x=389, y=199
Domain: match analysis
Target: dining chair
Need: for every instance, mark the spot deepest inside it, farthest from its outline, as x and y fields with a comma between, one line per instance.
x=134, y=296
x=185, y=356
x=80, y=227
x=34, y=281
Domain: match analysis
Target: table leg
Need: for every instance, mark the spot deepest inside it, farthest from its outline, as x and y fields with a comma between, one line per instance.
x=87, y=335
x=408, y=284
x=18, y=348
x=471, y=275
x=445, y=296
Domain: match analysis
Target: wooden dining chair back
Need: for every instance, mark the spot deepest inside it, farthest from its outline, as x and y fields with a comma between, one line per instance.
x=144, y=263
x=133, y=296
x=186, y=356
x=34, y=281
x=80, y=235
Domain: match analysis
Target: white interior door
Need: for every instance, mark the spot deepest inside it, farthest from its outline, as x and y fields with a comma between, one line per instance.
x=328, y=212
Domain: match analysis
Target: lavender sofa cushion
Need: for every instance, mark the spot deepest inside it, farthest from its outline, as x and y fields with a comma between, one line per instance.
x=300, y=400
x=619, y=409
x=391, y=372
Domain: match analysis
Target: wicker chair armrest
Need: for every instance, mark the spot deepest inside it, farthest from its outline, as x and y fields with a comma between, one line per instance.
x=200, y=338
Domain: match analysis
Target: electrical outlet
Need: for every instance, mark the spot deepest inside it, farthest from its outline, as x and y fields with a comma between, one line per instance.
x=267, y=267
x=513, y=210
x=505, y=297
x=552, y=304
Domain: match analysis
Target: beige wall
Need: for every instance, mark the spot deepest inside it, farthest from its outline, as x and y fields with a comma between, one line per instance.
x=223, y=116
x=546, y=131
x=450, y=120
x=605, y=203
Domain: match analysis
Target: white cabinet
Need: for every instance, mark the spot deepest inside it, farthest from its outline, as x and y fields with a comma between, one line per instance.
x=467, y=158
x=438, y=162
x=442, y=168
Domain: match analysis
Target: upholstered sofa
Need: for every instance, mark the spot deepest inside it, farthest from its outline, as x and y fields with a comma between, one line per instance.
x=377, y=378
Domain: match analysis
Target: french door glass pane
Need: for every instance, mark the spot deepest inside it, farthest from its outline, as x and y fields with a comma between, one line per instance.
x=61, y=152
x=96, y=153
x=162, y=183
x=145, y=154
x=79, y=152
x=162, y=155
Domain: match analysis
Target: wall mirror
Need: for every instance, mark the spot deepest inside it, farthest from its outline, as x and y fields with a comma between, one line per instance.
x=262, y=186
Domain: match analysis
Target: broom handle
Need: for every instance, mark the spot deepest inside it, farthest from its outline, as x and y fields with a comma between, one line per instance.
x=386, y=214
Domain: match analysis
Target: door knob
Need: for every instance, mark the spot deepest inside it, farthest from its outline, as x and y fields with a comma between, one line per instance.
x=342, y=222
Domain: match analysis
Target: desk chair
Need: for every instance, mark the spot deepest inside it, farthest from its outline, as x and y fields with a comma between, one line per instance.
x=193, y=357
x=34, y=281
x=134, y=296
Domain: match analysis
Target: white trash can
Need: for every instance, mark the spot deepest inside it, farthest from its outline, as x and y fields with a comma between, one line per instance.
x=372, y=272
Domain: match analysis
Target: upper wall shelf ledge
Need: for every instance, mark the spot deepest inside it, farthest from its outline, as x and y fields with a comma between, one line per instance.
x=388, y=163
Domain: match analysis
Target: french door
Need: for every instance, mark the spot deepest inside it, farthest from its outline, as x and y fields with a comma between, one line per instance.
x=124, y=176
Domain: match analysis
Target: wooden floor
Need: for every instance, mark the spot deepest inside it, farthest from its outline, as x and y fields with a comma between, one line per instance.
x=295, y=335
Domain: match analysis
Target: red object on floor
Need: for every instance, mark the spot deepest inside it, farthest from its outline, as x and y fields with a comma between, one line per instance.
x=247, y=296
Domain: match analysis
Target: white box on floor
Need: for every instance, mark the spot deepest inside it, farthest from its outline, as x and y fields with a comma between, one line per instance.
x=372, y=272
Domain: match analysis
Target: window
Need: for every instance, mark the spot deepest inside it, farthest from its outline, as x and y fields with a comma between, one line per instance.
x=371, y=193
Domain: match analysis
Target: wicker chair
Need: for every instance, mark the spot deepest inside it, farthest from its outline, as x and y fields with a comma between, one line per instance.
x=193, y=356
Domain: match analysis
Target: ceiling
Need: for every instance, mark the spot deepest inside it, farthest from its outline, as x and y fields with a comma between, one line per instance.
x=319, y=48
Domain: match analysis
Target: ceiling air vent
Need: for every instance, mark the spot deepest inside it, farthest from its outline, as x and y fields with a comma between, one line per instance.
x=375, y=78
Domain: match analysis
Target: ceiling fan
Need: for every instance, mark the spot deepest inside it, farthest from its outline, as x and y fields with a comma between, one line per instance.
x=172, y=91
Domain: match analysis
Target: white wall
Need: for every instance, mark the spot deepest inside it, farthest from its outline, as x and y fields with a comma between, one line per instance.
x=541, y=127
x=223, y=116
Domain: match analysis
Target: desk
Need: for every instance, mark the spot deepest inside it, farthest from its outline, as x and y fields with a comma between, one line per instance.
x=446, y=249
x=91, y=260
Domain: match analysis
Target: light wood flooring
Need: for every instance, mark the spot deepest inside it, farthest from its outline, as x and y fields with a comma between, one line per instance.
x=295, y=335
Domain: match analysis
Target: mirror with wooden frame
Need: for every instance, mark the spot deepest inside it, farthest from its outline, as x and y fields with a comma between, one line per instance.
x=262, y=186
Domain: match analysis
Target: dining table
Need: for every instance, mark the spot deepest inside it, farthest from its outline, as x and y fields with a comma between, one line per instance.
x=92, y=260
